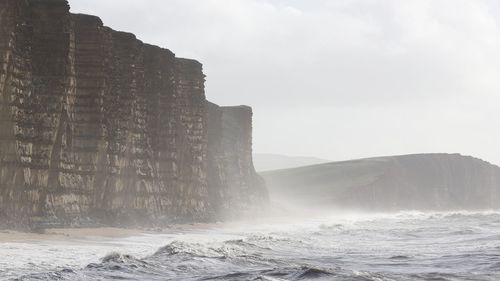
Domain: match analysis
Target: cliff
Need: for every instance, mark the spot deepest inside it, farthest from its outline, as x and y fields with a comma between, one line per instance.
x=409, y=182
x=231, y=174
x=97, y=127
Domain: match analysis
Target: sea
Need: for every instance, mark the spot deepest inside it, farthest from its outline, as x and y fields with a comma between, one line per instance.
x=332, y=246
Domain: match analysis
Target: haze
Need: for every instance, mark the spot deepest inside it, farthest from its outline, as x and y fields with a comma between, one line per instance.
x=339, y=79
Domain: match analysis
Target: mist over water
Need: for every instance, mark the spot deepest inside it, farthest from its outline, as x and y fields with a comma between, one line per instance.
x=335, y=246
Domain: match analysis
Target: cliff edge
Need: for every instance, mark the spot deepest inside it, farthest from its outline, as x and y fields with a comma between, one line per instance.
x=97, y=127
x=408, y=182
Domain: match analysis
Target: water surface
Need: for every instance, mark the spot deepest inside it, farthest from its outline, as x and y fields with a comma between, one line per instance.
x=402, y=246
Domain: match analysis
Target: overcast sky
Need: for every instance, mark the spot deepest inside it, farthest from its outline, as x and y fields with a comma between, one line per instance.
x=339, y=79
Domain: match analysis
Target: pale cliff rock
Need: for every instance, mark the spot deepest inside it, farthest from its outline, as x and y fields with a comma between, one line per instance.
x=231, y=175
x=97, y=127
x=408, y=182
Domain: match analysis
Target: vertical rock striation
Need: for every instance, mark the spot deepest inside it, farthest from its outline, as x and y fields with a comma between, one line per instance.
x=234, y=183
x=98, y=127
x=15, y=129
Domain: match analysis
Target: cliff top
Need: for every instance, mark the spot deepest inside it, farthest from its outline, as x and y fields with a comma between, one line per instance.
x=414, y=156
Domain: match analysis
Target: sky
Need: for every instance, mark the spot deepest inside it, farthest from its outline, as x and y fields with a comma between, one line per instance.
x=339, y=79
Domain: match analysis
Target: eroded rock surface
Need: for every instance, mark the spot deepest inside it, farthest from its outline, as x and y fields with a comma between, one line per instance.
x=98, y=127
x=231, y=174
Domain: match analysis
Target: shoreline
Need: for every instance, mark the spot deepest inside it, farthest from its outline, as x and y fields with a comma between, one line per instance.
x=53, y=234
x=7, y=236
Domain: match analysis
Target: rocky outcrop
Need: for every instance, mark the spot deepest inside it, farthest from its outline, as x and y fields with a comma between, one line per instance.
x=98, y=127
x=409, y=182
x=231, y=175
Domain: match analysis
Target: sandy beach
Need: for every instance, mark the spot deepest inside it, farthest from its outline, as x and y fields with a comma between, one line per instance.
x=110, y=232
x=67, y=233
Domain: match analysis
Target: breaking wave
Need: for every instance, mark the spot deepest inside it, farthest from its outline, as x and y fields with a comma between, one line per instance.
x=402, y=246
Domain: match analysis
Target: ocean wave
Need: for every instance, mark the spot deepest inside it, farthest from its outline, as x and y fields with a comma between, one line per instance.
x=336, y=226
x=404, y=246
x=190, y=249
x=346, y=219
x=400, y=257
x=118, y=261
x=307, y=273
x=63, y=274
x=439, y=276
x=229, y=249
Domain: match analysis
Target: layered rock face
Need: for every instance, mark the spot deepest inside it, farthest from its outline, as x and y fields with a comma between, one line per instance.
x=409, y=182
x=231, y=173
x=98, y=127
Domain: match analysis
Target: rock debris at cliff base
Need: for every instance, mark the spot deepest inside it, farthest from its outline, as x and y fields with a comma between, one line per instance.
x=97, y=127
